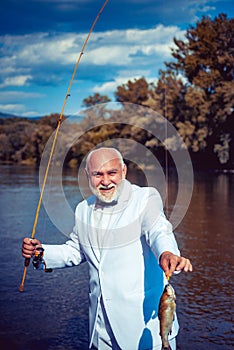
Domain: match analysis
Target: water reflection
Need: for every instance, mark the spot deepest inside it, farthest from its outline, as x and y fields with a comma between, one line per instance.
x=205, y=236
x=52, y=312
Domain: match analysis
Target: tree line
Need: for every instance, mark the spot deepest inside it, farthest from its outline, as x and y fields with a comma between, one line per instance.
x=194, y=93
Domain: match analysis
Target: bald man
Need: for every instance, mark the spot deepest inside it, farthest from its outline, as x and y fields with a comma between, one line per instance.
x=122, y=233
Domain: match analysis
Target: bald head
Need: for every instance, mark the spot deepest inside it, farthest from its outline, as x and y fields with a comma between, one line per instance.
x=106, y=171
x=100, y=156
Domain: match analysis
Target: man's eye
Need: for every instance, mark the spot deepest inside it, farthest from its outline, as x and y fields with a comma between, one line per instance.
x=96, y=174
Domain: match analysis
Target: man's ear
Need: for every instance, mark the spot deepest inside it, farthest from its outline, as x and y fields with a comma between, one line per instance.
x=87, y=174
x=125, y=170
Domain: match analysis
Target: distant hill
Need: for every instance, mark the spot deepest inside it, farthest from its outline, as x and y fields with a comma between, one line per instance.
x=8, y=115
x=12, y=116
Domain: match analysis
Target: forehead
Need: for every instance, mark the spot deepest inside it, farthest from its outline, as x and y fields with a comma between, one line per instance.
x=103, y=160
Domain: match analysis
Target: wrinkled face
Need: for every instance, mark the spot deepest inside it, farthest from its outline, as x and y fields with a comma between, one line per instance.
x=105, y=173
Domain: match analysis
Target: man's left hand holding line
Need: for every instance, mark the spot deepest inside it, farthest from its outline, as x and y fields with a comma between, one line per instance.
x=170, y=263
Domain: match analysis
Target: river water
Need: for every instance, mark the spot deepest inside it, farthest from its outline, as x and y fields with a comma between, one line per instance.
x=51, y=314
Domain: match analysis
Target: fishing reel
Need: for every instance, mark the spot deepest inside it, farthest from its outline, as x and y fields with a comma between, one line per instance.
x=38, y=260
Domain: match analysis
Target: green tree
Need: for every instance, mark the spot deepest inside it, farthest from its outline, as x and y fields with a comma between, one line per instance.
x=95, y=99
x=137, y=91
x=205, y=59
x=51, y=120
x=16, y=141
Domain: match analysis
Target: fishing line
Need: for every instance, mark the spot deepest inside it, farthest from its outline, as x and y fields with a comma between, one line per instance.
x=60, y=119
x=166, y=156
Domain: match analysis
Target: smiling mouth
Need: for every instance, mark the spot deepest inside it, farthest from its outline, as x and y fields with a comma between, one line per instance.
x=107, y=189
x=107, y=193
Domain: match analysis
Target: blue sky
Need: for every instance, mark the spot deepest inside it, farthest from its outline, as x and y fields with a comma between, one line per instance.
x=40, y=41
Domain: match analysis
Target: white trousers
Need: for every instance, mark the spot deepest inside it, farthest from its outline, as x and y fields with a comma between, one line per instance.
x=104, y=338
x=103, y=345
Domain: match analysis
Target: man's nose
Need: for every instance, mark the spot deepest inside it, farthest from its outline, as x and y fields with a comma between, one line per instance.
x=105, y=180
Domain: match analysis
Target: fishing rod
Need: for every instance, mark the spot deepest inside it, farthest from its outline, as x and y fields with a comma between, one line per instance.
x=27, y=260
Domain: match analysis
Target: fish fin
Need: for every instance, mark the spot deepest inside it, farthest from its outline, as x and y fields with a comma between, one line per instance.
x=166, y=347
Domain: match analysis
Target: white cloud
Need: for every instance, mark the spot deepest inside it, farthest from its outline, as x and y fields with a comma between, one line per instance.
x=158, y=34
x=44, y=59
x=111, y=47
x=6, y=96
x=17, y=108
x=123, y=77
x=30, y=114
x=12, y=107
x=49, y=49
x=110, y=86
x=120, y=46
x=20, y=80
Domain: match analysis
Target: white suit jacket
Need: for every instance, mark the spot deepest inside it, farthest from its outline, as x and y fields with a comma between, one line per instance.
x=122, y=243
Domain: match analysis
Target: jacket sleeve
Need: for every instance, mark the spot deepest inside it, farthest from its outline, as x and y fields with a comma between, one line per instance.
x=64, y=255
x=156, y=227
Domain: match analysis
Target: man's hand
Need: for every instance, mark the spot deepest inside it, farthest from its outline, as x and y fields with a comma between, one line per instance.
x=170, y=263
x=29, y=246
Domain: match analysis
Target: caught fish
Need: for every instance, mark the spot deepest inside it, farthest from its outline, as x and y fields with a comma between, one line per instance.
x=166, y=312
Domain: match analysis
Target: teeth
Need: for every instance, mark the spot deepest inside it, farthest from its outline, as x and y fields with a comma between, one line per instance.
x=107, y=188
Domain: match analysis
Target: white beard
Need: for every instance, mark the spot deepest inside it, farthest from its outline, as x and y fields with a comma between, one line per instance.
x=106, y=198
